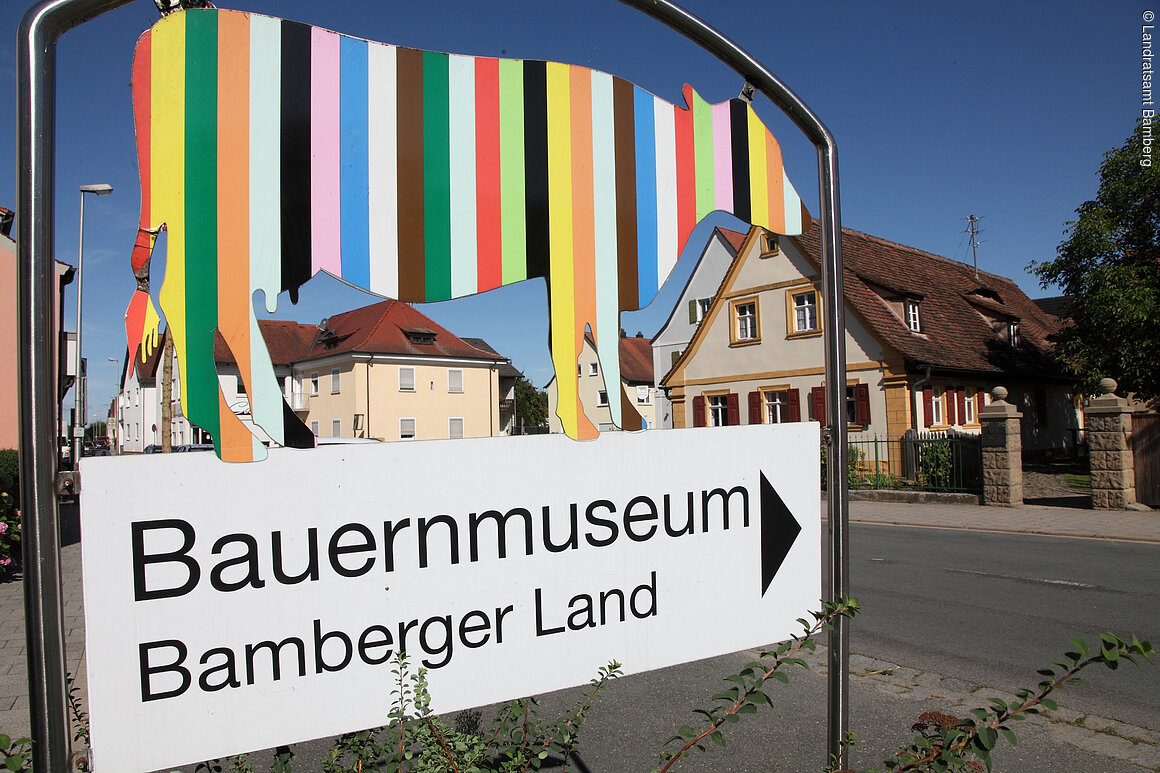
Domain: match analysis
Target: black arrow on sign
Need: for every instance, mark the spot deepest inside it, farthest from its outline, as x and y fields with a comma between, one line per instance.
x=779, y=530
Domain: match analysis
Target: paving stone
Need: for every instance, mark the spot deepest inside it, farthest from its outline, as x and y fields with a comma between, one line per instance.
x=1145, y=755
x=897, y=689
x=953, y=685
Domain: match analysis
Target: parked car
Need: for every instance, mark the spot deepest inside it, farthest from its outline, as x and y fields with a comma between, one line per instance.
x=152, y=449
x=194, y=447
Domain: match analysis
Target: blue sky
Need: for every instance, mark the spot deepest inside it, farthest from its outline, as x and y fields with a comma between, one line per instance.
x=1003, y=110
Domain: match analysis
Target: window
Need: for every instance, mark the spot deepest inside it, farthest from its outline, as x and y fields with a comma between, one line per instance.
x=314, y=428
x=455, y=380
x=602, y=398
x=776, y=407
x=770, y=245
x=406, y=429
x=969, y=407
x=937, y=415
x=698, y=307
x=1013, y=333
x=241, y=386
x=313, y=383
x=593, y=369
x=857, y=404
x=676, y=356
x=455, y=428
x=805, y=311
x=579, y=370
x=334, y=382
x=913, y=319
x=718, y=410
x=406, y=379
x=643, y=395
x=336, y=427
x=746, y=322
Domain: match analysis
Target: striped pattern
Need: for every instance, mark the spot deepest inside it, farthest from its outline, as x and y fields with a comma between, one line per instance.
x=271, y=150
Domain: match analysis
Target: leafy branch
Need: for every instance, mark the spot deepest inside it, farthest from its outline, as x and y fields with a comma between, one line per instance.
x=746, y=695
x=945, y=746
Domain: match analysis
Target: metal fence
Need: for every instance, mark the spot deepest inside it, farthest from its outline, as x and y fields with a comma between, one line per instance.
x=923, y=461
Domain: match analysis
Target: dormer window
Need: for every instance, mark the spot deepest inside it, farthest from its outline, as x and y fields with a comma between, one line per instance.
x=420, y=336
x=913, y=317
x=770, y=245
x=1013, y=334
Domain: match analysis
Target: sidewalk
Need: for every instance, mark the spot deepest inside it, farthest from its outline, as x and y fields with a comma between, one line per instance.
x=1051, y=521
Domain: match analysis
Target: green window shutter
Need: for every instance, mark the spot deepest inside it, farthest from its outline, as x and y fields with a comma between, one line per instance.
x=676, y=356
x=693, y=311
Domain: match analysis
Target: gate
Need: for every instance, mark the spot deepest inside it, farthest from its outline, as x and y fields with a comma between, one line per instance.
x=1146, y=450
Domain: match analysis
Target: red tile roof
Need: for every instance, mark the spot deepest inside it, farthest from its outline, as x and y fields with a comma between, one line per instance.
x=636, y=366
x=733, y=237
x=955, y=332
x=382, y=328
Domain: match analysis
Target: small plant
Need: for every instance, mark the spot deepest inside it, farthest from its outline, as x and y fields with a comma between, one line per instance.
x=15, y=754
x=746, y=693
x=935, y=464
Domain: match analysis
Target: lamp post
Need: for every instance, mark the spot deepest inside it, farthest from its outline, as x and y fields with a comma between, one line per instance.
x=100, y=189
x=116, y=428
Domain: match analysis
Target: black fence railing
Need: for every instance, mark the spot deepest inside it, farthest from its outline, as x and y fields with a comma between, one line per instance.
x=924, y=461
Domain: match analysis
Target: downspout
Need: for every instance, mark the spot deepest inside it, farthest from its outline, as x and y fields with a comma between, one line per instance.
x=492, y=371
x=367, y=428
x=915, y=388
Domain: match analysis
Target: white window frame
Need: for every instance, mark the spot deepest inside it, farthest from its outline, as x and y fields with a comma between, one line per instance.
x=643, y=395
x=776, y=406
x=969, y=406
x=938, y=414
x=336, y=427
x=414, y=428
x=451, y=427
x=593, y=369
x=809, y=323
x=451, y=386
x=314, y=428
x=335, y=381
x=1013, y=334
x=746, y=320
x=402, y=385
x=602, y=398
x=913, y=316
x=717, y=407
x=314, y=383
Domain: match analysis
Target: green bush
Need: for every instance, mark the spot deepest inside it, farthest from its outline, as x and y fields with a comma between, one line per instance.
x=9, y=511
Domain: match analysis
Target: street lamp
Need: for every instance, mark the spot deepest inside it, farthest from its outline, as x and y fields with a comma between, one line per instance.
x=100, y=189
x=116, y=428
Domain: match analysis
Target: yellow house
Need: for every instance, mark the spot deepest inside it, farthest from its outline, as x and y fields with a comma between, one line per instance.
x=637, y=391
x=388, y=371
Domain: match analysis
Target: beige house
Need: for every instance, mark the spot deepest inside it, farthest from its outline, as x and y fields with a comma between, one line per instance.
x=926, y=339
x=637, y=391
x=388, y=371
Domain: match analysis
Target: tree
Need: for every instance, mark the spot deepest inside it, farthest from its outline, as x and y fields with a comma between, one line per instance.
x=1109, y=266
x=96, y=429
x=531, y=405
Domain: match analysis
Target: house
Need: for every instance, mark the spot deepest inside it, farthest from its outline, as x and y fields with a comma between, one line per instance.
x=508, y=376
x=691, y=307
x=383, y=371
x=926, y=339
x=388, y=371
x=10, y=334
x=637, y=386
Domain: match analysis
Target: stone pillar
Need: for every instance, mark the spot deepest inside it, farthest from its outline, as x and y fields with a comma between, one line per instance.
x=1002, y=452
x=1108, y=432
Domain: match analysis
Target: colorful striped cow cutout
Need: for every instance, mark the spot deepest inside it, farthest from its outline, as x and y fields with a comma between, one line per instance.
x=270, y=150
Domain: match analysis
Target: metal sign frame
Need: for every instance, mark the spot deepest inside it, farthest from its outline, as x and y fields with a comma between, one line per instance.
x=40, y=29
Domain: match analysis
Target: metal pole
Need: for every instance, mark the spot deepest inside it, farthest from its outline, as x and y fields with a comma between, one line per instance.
x=40, y=28
x=78, y=391
x=830, y=223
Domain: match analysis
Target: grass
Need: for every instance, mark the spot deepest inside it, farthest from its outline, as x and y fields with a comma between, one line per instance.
x=1078, y=481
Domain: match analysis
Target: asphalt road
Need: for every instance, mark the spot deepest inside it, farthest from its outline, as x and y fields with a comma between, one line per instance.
x=993, y=608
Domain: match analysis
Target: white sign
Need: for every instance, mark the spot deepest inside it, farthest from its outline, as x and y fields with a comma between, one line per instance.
x=233, y=607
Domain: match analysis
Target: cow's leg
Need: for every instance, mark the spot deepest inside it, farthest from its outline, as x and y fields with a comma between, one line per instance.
x=565, y=348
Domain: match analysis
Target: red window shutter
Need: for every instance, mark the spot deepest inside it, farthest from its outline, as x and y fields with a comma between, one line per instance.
x=961, y=401
x=793, y=405
x=818, y=404
x=862, y=403
x=950, y=393
x=734, y=409
x=928, y=405
x=755, y=407
x=978, y=403
x=699, y=411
